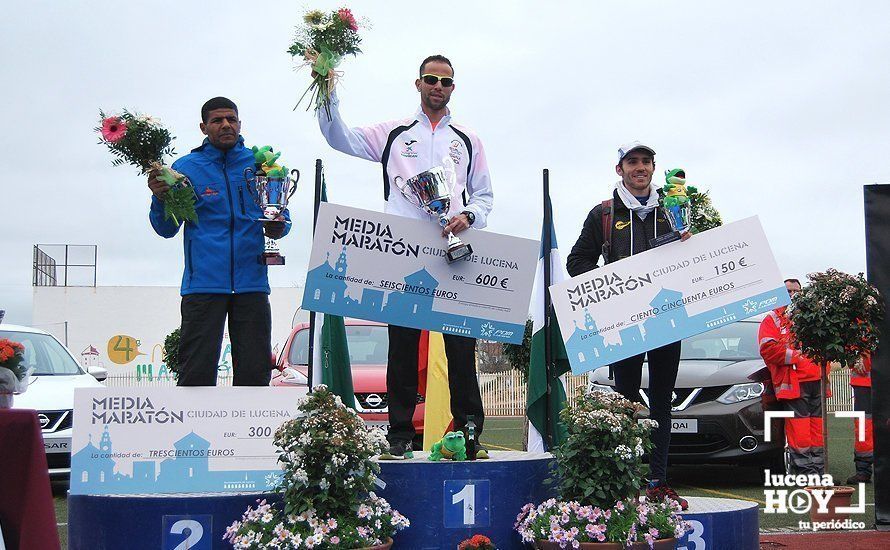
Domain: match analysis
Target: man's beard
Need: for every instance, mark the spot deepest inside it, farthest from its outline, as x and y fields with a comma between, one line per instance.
x=436, y=104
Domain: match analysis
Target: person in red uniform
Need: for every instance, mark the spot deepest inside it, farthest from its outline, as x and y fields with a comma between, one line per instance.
x=863, y=450
x=796, y=380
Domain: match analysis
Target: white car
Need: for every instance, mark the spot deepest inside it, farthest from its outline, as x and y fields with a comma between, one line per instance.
x=51, y=390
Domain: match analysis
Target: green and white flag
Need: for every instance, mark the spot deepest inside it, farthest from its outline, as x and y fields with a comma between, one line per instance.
x=537, y=402
x=332, y=367
x=330, y=360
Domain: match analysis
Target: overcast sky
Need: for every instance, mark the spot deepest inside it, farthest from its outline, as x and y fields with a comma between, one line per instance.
x=780, y=109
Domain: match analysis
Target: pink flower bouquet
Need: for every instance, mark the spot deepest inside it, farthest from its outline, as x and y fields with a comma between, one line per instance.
x=142, y=141
x=321, y=41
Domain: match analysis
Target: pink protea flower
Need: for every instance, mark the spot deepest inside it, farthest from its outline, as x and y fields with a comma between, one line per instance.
x=346, y=16
x=113, y=129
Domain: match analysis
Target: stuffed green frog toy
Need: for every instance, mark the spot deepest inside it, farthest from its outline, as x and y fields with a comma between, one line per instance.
x=676, y=192
x=265, y=159
x=451, y=447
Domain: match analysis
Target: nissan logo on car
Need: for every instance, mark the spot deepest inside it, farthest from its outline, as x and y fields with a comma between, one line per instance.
x=44, y=420
x=373, y=400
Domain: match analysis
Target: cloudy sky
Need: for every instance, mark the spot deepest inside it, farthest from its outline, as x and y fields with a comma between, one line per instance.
x=780, y=109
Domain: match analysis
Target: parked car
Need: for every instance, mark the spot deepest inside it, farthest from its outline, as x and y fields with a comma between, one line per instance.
x=368, y=345
x=717, y=411
x=51, y=390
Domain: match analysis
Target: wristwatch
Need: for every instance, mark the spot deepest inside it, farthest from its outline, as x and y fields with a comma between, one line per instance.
x=471, y=218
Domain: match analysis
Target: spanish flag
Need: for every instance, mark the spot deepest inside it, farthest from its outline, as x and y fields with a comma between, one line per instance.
x=432, y=384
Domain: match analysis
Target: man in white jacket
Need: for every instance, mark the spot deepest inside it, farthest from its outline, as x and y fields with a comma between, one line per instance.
x=406, y=148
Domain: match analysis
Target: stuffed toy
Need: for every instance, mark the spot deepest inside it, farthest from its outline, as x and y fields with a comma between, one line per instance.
x=676, y=192
x=451, y=447
x=265, y=160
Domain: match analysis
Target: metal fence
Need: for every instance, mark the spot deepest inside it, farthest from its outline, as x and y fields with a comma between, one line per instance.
x=144, y=381
x=503, y=393
x=64, y=265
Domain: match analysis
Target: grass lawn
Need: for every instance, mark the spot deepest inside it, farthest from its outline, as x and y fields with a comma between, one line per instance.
x=506, y=433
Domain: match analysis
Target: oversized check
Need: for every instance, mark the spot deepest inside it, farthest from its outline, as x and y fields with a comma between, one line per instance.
x=392, y=269
x=668, y=293
x=178, y=440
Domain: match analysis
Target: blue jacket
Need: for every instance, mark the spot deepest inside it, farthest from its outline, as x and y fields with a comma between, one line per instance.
x=222, y=250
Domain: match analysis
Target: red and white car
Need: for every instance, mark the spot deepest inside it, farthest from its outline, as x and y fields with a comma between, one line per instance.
x=368, y=346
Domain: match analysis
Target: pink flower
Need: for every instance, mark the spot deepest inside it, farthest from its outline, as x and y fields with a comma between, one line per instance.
x=113, y=129
x=346, y=16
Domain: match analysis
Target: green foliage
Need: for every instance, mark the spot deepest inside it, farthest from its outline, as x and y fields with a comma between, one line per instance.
x=702, y=215
x=601, y=460
x=179, y=203
x=519, y=355
x=835, y=317
x=171, y=353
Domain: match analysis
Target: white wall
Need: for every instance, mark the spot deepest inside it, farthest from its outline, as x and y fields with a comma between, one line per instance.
x=135, y=320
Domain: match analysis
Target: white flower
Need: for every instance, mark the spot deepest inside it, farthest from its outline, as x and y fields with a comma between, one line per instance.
x=301, y=476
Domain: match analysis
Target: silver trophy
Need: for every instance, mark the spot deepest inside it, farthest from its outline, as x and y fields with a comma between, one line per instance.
x=271, y=195
x=431, y=191
x=674, y=201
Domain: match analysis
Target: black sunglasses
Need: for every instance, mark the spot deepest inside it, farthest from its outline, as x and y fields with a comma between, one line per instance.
x=431, y=80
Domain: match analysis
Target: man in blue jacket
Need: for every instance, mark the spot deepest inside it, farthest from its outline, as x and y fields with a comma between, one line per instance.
x=223, y=275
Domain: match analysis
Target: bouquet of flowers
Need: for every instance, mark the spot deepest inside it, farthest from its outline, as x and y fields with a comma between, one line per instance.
x=568, y=524
x=327, y=479
x=322, y=40
x=13, y=374
x=835, y=318
x=142, y=141
x=477, y=542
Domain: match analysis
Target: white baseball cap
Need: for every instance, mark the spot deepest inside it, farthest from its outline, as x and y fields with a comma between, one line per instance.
x=628, y=147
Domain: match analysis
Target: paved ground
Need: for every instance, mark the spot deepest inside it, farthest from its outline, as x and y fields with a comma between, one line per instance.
x=866, y=540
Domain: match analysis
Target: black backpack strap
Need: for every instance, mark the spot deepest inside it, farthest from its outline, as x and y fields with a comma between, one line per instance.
x=608, y=214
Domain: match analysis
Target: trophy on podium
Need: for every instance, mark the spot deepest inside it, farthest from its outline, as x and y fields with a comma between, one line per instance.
x=272, y=192
x=432, y=192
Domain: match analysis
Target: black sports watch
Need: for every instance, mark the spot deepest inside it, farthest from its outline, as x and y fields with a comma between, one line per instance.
x=471, y=218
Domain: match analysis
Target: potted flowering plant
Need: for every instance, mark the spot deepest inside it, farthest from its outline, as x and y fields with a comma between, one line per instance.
x=322, y=41
x=325, y=454
x=477, y=542
x=598, y=474
x=14, y=376
x=835, y=319
x=600, y=462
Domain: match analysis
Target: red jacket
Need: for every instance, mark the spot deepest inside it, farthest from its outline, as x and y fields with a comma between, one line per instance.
x=862, y=379
x=788, y=367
